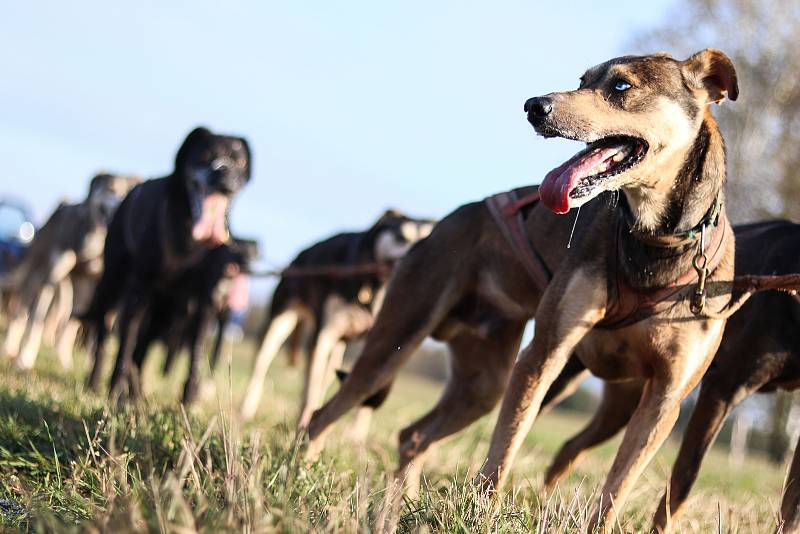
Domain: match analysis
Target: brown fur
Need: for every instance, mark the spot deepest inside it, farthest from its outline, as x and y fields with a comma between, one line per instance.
x=760, y=351
x=476, y=295
x=670, y=350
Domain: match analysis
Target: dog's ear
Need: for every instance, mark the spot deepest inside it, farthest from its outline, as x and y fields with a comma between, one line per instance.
x=198, y=136
x=713, y=71
x=249, y=155
x=384, y=218
x=97, y=181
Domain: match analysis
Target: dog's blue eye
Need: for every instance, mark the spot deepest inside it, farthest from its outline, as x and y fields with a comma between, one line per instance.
x=621, y=86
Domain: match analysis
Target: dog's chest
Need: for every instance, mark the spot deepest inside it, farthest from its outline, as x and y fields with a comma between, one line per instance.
x=638, y=350
x=630, y=352
x=93, y=245
x=615, y=355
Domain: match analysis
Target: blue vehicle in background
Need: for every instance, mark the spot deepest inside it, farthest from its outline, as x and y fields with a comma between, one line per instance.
x=16, y=232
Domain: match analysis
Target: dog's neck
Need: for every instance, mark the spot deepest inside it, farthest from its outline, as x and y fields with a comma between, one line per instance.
x=698, y=186
x=680, y=201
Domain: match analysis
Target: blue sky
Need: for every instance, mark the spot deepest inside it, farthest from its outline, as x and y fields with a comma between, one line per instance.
x=350, y=107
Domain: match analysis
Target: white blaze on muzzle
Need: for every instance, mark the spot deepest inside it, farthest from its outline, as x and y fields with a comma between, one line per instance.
x=212, y=226
x=388, y=248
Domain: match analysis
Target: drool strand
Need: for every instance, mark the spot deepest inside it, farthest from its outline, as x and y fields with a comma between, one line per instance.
x=574, y=224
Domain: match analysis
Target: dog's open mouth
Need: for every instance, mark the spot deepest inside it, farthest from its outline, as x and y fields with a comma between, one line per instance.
x=212, y=226
x=581, y=175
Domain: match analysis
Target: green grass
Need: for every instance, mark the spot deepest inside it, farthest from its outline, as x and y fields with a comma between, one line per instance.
x=72, y=463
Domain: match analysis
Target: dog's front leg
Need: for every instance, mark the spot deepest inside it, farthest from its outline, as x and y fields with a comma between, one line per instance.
x=132, y=317
x=198, y=329
x=720, y=393
x=33, y=337
x=650, y=425
x=568, y=310
x=314, y=391
x=280, y=328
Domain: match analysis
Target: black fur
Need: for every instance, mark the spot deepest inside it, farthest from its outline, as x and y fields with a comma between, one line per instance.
x=150, y=243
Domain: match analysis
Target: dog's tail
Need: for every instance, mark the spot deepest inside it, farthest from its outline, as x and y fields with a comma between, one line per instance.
x=377, y=399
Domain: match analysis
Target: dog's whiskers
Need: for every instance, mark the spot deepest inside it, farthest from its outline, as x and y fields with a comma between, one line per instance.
x=574, y=224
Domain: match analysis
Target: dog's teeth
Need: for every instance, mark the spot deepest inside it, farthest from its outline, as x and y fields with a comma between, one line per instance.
x=619, y=156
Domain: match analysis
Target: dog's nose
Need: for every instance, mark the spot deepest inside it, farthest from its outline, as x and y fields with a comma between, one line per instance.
x=539, y=106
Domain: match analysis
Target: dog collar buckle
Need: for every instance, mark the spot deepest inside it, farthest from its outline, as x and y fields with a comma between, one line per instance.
x=700, y=264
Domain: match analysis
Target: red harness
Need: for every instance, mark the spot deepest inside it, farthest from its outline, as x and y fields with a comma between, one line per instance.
x=625, y=305
x=506, y=208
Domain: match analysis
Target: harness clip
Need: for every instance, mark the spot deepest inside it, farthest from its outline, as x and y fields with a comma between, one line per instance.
x=700, y=264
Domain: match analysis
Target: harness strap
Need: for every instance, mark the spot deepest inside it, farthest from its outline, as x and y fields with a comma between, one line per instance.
x=327, y=271
x=506, y=209
x=627, y=306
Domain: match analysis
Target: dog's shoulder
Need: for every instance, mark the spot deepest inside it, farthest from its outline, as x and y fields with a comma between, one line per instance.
x=333, y=249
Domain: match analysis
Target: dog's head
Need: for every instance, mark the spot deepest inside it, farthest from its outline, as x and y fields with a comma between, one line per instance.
x=213, y=169
x=106, y=191
x=394, y=233
x=638, y=115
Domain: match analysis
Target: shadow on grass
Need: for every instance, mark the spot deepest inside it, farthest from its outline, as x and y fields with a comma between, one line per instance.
x=62, y=458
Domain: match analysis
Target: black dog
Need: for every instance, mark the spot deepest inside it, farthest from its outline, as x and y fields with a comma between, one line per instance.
x=182, y=314
x=333, y=306
x=163, y=228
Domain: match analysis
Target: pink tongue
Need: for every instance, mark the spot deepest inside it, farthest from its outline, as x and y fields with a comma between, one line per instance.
x=212, y=225
x=559, y=182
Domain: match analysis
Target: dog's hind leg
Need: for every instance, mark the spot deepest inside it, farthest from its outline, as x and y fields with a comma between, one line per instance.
x=616, y=408
x=720, y=393
x=396, y=334
x=66, y=343
x=479, y=371
x=340, y=321
x=15, y=332
x=60, y=269
x=479, y=367
x=279, y=329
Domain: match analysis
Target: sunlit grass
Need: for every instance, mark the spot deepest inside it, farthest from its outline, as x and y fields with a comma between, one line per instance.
x=69, y=461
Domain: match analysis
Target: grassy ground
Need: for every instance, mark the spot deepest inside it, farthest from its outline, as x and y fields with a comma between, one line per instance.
x=69, y=462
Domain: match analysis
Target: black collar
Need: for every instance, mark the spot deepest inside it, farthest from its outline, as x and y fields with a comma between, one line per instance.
x=709, y=220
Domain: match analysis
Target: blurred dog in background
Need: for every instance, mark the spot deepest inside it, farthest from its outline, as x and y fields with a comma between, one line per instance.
x=325, y=292
x=64, y=258
x=164, y=228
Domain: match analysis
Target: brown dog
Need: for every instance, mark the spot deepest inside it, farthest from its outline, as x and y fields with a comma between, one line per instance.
x=652, y=136
x=760, y=351
x=65, y=257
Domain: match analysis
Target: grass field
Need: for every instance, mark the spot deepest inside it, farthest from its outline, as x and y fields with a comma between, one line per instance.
x=69, y=462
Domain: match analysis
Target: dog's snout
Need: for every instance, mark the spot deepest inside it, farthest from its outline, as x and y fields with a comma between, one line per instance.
x=539, y=107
